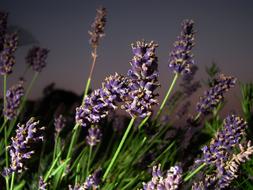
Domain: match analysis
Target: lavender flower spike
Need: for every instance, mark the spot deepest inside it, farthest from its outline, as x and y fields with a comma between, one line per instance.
x=3, y=28
x=59, y=123
x=19, y=149
x=233, y=130
x=143, y=80
x=98, y=27
x=13, y=100
x=7, y=59
x=97, y=105
x=181, y=58
x=171, y=181
x=215, y=94
x=91, y=182
x=94, y=136
x=36, y=58
x=42, y=184
x=219, y=154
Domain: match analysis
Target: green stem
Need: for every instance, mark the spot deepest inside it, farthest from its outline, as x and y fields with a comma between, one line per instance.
x=5, y=137
x=167, y=96
x=52, y=167
x=87, y=88
x=4, y=95
x=89, y=159
x=7, y=182
x=94, y=58
x=3, y=125
x=189, y=176
x=119, y=148
x=6, y=145
x=73, y=140
x=12, y=180
x=143, y=122
x=77, y=173
x=55, y=145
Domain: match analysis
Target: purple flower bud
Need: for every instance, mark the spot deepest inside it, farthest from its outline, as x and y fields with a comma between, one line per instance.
x=3, y=28
x=59, y=123
x=36, y=58
x=92, y=110
x=91, y=182
x=19, y=149
x=181, y=58
x=98, y=27
x=143, y=80
x=219, y=154
x=13, y=100
x=42, y=184
x=170, y=181
x=97, y=105
x=7, y=59
x=215, y=94
x=94, y=136
x=233, y=130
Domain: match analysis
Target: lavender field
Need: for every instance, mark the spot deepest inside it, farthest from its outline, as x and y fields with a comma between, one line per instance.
x=133, y=129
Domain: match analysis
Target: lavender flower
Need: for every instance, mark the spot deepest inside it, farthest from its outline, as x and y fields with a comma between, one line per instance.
x=215, y=95
x=42, y=184
x=181, y=58
x=232, y=166
x=91, y=182
x=59, y=124
x=94, y=136
x=97, y=105
x=220, y=154
x=7, y=59
x=20, y=150
x=36, y=58
x=3, y=28
x=13, y=100
x=76, y=187
x=143, y=80
x=171, y=181
x=233, y=130
x=98, y=27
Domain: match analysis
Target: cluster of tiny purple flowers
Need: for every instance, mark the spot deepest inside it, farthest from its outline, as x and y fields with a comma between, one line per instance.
x=97, y=105
x=181, y=58
x=36, y=58
x=170, y=181
x=143, y=80
x=136, y=93
x=98, y=27
x=59, y=124
x=91, y=182
x=42, y=184
x=215, y=94
x=19, y=149
x=13, y=100
x=3, y=28
x=94, y=136
x=7, y=59
x=220, y=154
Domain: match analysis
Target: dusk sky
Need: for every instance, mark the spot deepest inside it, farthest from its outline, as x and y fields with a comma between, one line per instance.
x=224, y=35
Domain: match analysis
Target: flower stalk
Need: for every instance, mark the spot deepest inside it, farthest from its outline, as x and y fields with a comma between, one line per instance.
x=118, y=149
